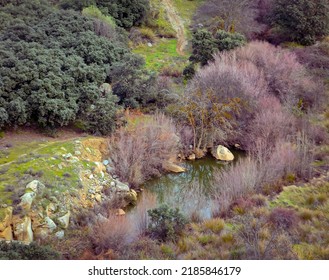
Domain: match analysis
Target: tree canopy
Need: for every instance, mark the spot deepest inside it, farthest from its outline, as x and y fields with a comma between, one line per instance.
x=52, y=64
x=302, y=20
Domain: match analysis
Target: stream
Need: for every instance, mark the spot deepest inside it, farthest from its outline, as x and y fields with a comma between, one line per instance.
x=189, y=191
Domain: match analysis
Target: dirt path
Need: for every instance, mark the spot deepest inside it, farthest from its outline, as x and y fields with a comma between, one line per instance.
x=178, y=25
x=14, y=138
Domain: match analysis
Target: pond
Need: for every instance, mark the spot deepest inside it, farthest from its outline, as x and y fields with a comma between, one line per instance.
x=189, y=191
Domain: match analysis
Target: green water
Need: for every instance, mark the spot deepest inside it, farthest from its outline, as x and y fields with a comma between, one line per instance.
x=189, y=191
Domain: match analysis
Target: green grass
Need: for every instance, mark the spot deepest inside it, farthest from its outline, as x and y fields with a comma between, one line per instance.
x=298, y=197
x=41, y=161
x=13, y=153
x=162, y=54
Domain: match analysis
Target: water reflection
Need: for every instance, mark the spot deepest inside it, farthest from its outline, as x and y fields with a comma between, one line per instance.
x=189, y=191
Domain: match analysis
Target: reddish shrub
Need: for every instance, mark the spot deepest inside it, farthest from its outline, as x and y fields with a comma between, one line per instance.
x=283, y=218
x=236, y=181
x=270, y=124
x=111, y=234
x=286, y=77
x=242, y=205
x=138, y=152
x=215, y=86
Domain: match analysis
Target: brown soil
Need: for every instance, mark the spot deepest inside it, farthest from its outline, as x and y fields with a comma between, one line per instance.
x=25, y=135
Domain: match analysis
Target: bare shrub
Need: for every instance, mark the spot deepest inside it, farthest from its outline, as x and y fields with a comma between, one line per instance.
x=230, y=15
x=315, y=58
x=305, y=153
x=111, y=234
x=261, y=242
x=144, y=248
x=286, y=77
x=236, y=181
x=139, y=152
x=270, y=125
x=222, y=95
x=252, y=174
x=186, y=137
x=171, y=71
x=140, y=217
x=283, y=218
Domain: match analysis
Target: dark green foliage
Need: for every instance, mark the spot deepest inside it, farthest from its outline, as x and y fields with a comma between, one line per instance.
x=127, y=13
x=131, y=83
x=203, y=45
x=52, y=64
x=19, y=251
x=77, y=5
x=189, y=71
x=101, y=115
x=166, y=223
x=302, y=20
x=227, y=41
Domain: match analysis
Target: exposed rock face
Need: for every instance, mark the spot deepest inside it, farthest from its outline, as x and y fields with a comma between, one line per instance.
x=7, y=234
x=7, y=219
x=23, y=230
x=98, y=197
x=100, y=168
x=172, y=167
x=222, y=153
x=105, y=88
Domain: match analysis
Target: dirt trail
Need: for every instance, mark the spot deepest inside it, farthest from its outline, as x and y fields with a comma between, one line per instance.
x=43, y=145
x=178, y=25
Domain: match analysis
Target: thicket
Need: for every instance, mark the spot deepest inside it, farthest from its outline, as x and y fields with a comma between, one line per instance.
x=139, y=150
x=303, y=21
x=126, y=13
x=260, y=97
x=53, y=63
x=18, y=251
x=229, y=15
x=205, y=44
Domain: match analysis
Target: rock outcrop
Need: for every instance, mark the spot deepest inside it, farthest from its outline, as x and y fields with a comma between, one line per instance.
x=23, y=230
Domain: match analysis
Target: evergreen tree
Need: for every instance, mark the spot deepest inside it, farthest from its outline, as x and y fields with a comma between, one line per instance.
x=302, y=20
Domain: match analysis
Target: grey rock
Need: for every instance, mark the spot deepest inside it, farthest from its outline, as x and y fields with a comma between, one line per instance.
x=60, y=234
x=36, y=186
x=27, y=199
x=121, y=187
x=50, y=224
x=65, y=220
x=100, y=218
